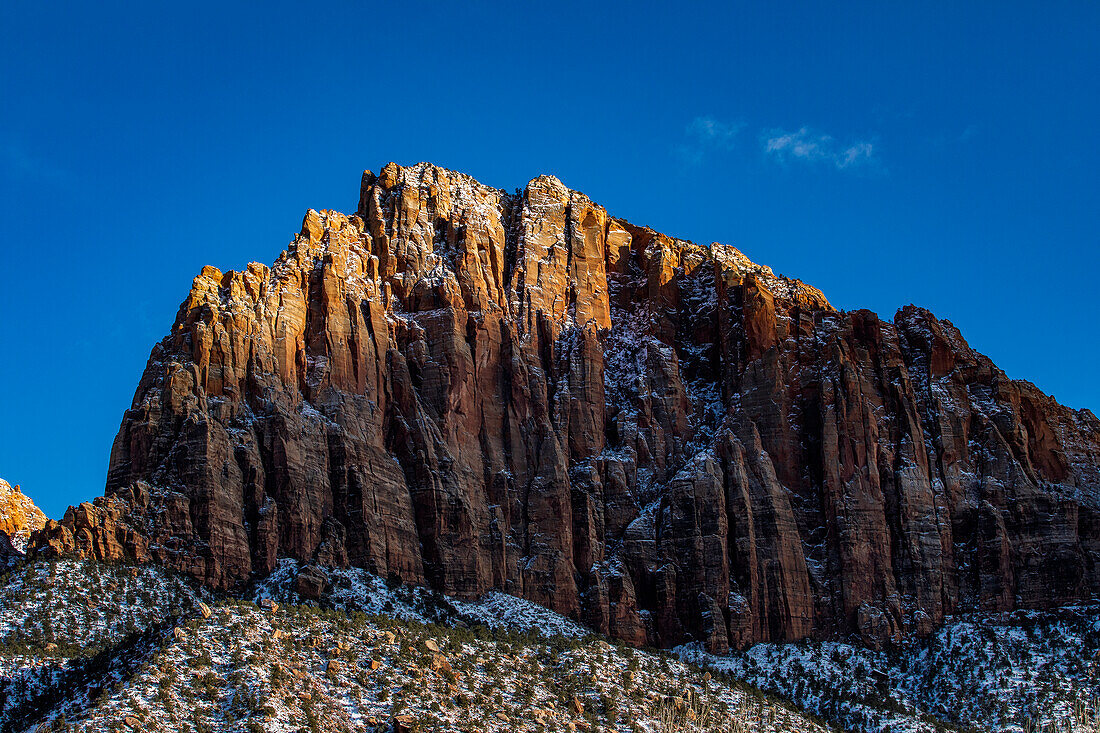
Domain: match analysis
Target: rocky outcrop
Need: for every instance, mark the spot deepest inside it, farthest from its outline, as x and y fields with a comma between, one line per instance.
x=100, y=529
x=471, y=389
x=19, y=518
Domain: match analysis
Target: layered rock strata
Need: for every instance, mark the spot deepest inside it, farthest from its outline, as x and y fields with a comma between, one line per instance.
x=471, y=389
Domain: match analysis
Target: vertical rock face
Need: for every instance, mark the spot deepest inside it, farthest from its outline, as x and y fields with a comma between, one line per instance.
x=472, y=390
x=19, y=518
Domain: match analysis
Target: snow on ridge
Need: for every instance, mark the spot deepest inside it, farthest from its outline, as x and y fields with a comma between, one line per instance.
x=500, y=610
x=355, y=589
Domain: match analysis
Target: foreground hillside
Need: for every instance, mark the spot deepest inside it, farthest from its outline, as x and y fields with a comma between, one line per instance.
x=93, y=647
x=161, y=658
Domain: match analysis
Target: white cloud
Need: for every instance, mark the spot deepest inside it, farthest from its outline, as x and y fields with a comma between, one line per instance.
x=706, y=134
x=815, y=147
x=710, y=131
x=862, y=152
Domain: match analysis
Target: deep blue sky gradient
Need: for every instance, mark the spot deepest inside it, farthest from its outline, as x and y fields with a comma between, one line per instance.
x=938, y=153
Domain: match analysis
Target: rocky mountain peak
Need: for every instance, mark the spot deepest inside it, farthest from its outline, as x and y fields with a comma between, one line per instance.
x=474, y=390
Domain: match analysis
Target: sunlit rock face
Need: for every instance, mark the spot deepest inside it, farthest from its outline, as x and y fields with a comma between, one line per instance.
x=19, y=518
x=472, y=390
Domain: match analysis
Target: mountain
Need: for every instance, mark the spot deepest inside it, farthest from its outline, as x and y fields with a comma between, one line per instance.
x=474, y=390
x=19, y=518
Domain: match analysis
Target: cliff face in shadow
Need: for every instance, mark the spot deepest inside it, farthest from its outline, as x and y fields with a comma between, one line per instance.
x=471, y=389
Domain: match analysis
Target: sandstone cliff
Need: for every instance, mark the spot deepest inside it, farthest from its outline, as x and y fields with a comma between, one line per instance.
x=472, y=389
x=19, y=518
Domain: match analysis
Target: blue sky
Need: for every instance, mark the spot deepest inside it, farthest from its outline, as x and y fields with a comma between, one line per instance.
x=937, y=153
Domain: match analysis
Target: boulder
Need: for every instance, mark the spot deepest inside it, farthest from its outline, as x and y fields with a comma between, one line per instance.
x=404, y=724
x=310, y=583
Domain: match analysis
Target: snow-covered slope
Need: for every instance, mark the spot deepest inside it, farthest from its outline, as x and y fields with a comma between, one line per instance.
x=169, y=660
x=1018, y=672
x=81, y=606
x=95, y=647
x=353, y=590
x=57, y=616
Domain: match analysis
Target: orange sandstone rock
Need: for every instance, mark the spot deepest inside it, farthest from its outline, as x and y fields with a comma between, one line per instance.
x=19, y=517
x=478, y=390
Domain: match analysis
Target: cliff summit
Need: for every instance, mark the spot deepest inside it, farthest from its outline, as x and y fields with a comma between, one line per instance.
x=473, y=390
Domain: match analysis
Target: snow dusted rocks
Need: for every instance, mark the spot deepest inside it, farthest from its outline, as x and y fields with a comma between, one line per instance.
x=19, y=517
x=1005, y=672
x=478, y=391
